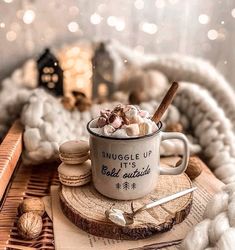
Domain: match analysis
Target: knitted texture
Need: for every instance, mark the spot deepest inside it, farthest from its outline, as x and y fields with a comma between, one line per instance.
x=211, y=127
x=12, y=99
x=48, y=124
x=185, y=68
x=217, y=230
x=194, y=70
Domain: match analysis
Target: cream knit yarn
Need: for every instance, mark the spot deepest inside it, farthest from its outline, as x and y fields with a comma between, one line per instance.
x=48, y=124
x=217, y=230
x=184, y=68
x=211, y=127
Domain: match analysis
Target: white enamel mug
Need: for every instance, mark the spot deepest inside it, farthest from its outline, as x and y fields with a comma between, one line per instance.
x=128, y=168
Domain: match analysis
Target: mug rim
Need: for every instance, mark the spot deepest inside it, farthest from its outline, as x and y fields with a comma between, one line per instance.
x=159, y=125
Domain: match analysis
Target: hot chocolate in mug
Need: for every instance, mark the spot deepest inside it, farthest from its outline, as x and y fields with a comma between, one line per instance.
x=128, y=168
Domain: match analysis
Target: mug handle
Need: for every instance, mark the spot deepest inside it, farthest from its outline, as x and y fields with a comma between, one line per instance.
x=181, y=168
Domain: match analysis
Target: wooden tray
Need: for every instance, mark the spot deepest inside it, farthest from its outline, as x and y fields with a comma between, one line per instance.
x=10, y=151
x=18, y=181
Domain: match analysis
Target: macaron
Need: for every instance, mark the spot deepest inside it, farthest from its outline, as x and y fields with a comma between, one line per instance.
x=75, y=175
x=74, y=152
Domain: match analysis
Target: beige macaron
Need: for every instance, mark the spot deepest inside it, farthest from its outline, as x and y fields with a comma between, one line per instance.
x=75, y=175
x=74, y=152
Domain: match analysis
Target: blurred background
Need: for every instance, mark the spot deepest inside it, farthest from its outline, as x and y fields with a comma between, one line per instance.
x=203, y=28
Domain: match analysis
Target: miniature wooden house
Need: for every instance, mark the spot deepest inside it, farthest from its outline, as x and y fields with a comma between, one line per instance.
x=50, y=74
x=103, y=70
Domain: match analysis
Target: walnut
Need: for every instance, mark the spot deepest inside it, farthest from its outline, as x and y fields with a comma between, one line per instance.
x=175, y=127
x=194, y=167
x=35, y=205
x=29, y=225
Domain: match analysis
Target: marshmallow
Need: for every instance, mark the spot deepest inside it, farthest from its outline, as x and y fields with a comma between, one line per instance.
x=132, y=129
x=105, y=113
x=94, y=123
x=115, y=121
x=120, y=133
x=124, y=121
x=131, y=112
x=144, y=113
x=101, y=122
x=108, y=130
x=137, y=119
x=145, y=128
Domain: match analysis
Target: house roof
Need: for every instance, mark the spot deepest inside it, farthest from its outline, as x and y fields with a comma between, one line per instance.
x=47, y=58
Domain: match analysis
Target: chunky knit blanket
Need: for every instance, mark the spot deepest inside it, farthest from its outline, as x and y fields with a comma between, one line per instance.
x=205, y=105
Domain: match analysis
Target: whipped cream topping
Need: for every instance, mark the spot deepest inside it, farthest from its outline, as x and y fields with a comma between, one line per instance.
x=123, y=121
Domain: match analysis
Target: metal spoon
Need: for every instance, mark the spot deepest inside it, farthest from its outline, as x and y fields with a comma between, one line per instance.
x=123, y=218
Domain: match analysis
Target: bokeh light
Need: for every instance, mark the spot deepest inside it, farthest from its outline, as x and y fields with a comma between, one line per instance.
x=2, y=25
x=28, y=16
x=11, y=36
x=203, y=19
x=120, y=24
x=233, y=13
x=212, y=34
x=111, y=21
x=149, y=28
x=73, y=27
x=95, y=18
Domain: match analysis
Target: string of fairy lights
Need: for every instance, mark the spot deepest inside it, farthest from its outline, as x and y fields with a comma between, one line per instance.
x=27, y=16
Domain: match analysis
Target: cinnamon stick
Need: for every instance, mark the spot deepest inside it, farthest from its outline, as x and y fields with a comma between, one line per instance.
x=167, y=100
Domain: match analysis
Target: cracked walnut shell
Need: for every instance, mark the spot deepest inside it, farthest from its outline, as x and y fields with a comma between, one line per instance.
x=29, y=225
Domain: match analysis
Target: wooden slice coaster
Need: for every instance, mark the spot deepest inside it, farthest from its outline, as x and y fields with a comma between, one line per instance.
x=85, y=207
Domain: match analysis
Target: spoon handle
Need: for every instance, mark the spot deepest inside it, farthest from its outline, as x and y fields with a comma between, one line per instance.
x=167, y=100
x=165, y=199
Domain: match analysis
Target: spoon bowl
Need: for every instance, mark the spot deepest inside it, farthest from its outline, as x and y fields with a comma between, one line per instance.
x=123, y=218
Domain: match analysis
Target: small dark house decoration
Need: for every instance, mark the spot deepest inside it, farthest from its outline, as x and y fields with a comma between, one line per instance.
x=103, y=72
x=50, y=74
